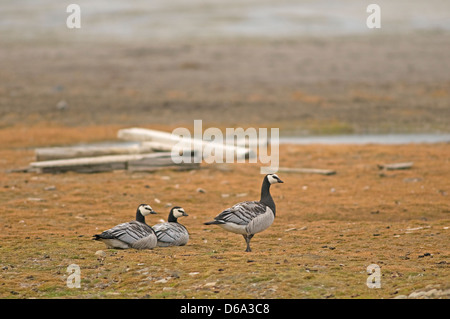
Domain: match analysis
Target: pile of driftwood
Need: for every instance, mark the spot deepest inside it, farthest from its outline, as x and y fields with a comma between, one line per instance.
x=146, y=150
x=139, y=150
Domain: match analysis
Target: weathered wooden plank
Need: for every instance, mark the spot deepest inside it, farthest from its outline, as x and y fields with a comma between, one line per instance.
x=306, y=171
x=67, y=152
x=106, y=163
x=395, y=166
x=169, y=139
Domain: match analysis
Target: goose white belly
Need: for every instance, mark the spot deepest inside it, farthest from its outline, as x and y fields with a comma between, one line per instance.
x=260, y=222
x=234, y=228
x=115, y=243
x=256, y=225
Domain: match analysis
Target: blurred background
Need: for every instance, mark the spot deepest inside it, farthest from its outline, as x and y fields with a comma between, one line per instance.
x=308, y=67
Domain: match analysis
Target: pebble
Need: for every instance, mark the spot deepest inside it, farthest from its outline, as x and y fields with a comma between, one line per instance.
x=100, y=253
x=241, y=195
x=162, y=281
x=210, y=284
x=62, y=105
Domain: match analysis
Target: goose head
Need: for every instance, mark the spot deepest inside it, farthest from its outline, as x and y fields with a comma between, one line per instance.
x=145, y=209
x=273, y=178
x=175, y=213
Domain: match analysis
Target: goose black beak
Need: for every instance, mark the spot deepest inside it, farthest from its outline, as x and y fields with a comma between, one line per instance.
x=279, y=180
x=184, y=214
x=153, y=212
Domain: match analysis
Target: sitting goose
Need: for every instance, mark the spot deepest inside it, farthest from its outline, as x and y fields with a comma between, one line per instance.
x=135, y=234
x=172, y=233
x=249, y=218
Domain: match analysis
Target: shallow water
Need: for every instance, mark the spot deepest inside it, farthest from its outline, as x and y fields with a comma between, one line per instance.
x=368, y=139
x=160, y=19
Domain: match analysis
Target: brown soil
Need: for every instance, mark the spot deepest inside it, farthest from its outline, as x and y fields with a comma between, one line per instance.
x=327, y=231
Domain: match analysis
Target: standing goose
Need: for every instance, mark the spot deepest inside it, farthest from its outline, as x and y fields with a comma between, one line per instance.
x=172, y=233
x=249, y=218
x=135, y=234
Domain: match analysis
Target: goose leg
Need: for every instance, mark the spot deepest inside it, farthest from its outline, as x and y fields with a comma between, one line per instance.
x=247, y=240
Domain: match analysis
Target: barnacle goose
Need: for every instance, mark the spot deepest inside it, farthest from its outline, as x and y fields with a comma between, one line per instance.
x=251, y=217
x=172, y=233
x=135, y=234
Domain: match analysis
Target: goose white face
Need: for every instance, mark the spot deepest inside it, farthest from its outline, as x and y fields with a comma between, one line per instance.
x=178, y=212
x=273, y=178
x=145, y=210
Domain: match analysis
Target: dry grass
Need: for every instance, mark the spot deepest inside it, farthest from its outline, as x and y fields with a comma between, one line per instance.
x=327, y=231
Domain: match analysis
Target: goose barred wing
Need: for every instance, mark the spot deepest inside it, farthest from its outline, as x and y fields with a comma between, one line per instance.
x=130, y=232
x=169, y=232
x=242, y=213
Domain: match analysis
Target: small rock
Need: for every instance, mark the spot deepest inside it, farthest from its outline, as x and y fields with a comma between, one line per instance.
x=162, y=281
x=418, y=294
x=62, y=105
x=412, y=180
x=100, y=253
x=201, y=190
x=50, y=188
x=157, y=201
x=193, y=273
x=210, y=284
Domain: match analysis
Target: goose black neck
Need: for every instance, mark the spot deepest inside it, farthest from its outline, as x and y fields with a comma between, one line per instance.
x=140, y=217
x=266, y=198
x=172, y=219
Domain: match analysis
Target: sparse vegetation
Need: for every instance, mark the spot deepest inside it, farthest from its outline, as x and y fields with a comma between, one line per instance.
x=398, y=220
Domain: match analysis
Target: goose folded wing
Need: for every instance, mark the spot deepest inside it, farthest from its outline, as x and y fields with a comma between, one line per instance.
x=242, y=213
x=168, y=233
x=130, y=232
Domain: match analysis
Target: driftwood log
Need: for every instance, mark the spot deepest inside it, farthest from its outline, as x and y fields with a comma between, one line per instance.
x=165, y=138
x=395, y=166
x=306, y=171
x=107, y=163
x=55, y=153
